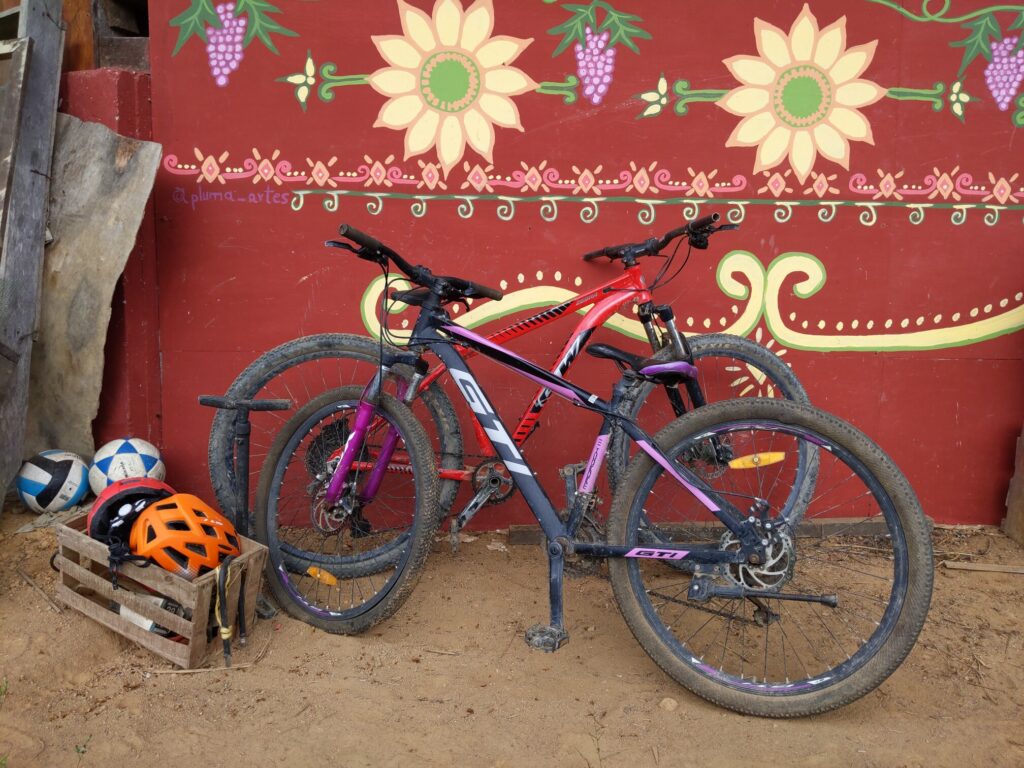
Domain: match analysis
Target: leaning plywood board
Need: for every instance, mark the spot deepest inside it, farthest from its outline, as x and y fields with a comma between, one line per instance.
x=13, y=60
x=98, y=191
x=21, y=257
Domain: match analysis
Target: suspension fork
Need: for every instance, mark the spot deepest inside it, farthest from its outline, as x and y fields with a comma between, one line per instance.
x=368, y=403
x=680, y=348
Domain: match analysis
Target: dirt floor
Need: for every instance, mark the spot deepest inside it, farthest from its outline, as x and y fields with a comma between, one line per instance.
x=450, y=681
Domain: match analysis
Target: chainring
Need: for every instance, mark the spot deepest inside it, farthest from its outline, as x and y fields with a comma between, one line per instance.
x=489, y=469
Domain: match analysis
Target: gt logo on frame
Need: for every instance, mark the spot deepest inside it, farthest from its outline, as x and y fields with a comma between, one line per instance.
x=489, y=421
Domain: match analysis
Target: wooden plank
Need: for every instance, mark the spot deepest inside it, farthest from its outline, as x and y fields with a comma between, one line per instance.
x=13, y=63
x=102, y=586
x=177, y=653
x=1013, y=525
x=21, y=250
x=988, y=567
x=79, y=46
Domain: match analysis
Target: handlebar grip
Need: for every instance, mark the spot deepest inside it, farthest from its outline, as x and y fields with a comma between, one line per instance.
x=360, y=238
x=595, y=254
x=703, y=222
x=487, y=293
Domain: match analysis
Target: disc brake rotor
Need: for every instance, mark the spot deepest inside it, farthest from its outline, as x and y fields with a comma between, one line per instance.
x=771, y=575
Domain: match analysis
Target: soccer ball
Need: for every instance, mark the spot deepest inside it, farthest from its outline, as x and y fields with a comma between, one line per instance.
x=122, y=459
x=52, y=481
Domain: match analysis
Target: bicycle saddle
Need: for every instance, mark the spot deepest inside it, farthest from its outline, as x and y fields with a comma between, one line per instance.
x=661, y=371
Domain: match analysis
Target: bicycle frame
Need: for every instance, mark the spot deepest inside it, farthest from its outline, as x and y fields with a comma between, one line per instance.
x=431, y=324
x=607, y=299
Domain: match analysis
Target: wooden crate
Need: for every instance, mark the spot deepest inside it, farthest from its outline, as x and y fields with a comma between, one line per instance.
x=85, y=585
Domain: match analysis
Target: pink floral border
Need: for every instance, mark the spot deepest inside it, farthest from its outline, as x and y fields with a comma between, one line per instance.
x=384, y=174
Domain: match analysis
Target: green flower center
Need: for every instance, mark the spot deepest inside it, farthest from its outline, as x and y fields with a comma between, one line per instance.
x=802, y=96
x=450, y=81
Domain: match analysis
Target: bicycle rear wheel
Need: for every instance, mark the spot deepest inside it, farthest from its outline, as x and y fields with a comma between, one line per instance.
x=862, y=538
x=347, y=567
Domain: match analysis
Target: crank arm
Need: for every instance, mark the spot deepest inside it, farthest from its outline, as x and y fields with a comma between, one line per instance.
x=474, y=506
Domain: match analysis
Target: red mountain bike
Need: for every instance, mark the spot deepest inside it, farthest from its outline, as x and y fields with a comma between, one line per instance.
x=302, y=369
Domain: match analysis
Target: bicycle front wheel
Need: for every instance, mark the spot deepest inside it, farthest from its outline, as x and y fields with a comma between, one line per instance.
x=303, y=369
x=344, y=568
x=859, y=549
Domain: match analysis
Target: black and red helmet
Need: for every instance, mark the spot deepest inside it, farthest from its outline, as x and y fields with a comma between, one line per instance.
x=120, y=503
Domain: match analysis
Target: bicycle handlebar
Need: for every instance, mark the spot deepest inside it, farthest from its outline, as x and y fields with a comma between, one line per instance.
x=697, y=230
x=449, y=288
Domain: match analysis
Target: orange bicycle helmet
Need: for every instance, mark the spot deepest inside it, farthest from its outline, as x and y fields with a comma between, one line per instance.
x=183, y=535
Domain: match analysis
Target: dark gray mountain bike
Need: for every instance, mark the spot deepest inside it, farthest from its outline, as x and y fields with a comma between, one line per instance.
x=739, y=584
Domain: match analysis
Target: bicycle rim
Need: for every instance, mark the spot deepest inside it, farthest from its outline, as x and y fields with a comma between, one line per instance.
x=851, y=543
x=337, y=565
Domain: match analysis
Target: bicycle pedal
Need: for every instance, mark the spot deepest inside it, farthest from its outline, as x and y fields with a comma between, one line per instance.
x=544, y=637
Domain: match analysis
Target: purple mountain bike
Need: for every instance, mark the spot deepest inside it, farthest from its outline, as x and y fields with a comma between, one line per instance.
x=744, y=583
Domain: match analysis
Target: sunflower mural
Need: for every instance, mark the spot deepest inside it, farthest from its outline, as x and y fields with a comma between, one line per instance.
x=449, y=81
x=801, y=95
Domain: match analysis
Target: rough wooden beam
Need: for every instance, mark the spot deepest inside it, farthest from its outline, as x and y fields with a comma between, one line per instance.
x=79, y=45
x=22, y=247
x=1013, y=525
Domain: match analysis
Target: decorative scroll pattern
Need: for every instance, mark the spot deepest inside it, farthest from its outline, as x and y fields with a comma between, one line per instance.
x=754, y=292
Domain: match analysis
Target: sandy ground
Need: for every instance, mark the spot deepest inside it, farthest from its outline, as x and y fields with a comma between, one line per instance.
x=449, y=681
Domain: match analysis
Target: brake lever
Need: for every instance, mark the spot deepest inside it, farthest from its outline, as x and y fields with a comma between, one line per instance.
x=341, y=244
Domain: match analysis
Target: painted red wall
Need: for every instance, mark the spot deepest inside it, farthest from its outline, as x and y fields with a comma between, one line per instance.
x=914, y=335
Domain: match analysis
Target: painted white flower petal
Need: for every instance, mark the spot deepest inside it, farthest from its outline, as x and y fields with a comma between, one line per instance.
x=751, y=70
x=401, y=112
x=417, y=27
x=651, y=110
x=310, y=67
x=773, y=148
x=451, y=142
x=447, y=21
x=745, y=100
x=500, y=109
x=297, y=79
x=858, y=93
x=772, y=43
x=802, y=154
x=852, y=63
x=507, y=80
x=831, y=43
x=802, y=35
x=851, y=124
x=751, y=130
x=479, y=132
x=662, y=85
x=831, y=144
x=650, y=96
x=422, y=134
x=393, y=82
x=477, y=25
x=302, y=93
x=398, y=52
x=500, y=51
